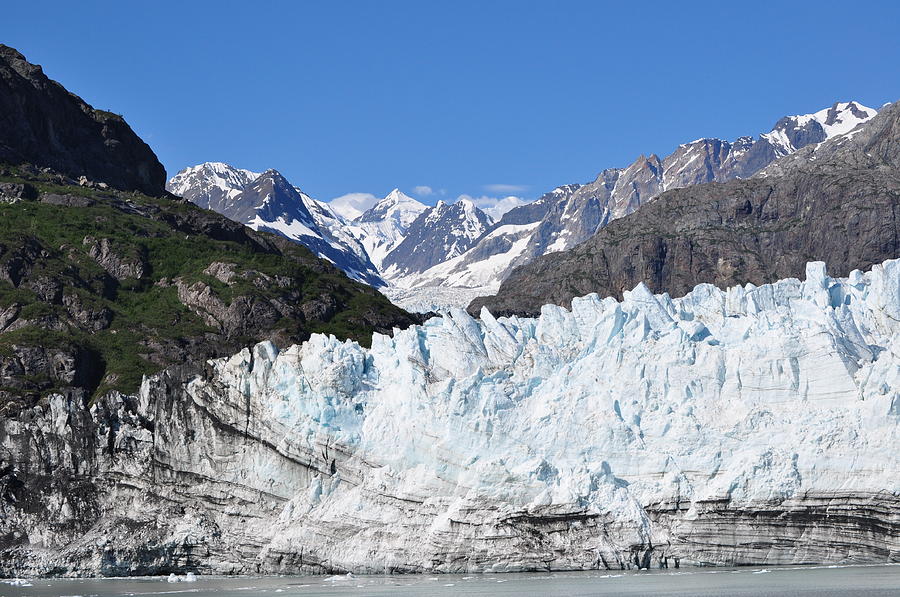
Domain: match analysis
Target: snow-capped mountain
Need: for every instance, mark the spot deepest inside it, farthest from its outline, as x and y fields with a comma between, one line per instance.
x=384, y=226
x=211, y=185
x=267, y=201
x=571, y=214
x=794, y=132
x=481, y=268
x=439, y=233
x=454, y=249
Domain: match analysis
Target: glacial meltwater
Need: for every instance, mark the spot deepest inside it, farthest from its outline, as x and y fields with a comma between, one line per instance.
x=818, y=581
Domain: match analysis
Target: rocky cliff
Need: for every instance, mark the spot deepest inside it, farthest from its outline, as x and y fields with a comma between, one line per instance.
x=41, y=123
x=836, y=202
x=750, y=426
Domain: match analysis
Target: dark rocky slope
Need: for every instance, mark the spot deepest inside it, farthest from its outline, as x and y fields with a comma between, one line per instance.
x=836, y=202
x=99, y=286
x=41, y=123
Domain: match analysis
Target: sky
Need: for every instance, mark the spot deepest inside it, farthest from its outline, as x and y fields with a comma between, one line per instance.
x=443, y=99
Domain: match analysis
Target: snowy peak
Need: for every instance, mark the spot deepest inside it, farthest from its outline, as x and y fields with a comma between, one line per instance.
x=268, y=201
x=795, y=132
x=570, y=215
x=396, y=207
x=211, y=185
x=843, y=117
x=271, y=199
x=461, y=219
x=381, y=228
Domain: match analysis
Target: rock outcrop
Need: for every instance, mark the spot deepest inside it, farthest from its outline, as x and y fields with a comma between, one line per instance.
x=43, y=124
x=836, y=202
x=754, y=426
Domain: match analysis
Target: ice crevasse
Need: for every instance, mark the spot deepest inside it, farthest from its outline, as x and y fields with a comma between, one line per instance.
x=750, y=425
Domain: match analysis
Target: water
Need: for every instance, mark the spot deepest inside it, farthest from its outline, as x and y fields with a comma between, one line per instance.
x=817, y=581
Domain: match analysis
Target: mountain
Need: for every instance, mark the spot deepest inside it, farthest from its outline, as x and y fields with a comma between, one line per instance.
x=832, y=201
x=267, y=201
x=384, y=226
x=502, y=246
x=101, y=286
x=753, y=426
x=212, y=185
x=571, y=214
x=439, y=233
x=40, y=123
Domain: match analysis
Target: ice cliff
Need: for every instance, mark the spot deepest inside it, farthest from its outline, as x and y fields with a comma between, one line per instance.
x=755, y=425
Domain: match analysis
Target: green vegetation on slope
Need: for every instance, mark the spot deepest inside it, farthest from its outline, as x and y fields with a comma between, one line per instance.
x=66, y=295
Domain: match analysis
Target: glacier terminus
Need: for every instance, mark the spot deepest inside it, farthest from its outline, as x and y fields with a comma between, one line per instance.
x=754, y=425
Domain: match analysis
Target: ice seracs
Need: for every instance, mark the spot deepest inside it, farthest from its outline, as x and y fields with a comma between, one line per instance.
x=753, y=425
x=613, y=434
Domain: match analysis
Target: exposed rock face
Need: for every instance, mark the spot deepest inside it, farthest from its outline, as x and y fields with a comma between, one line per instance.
x=120, y=267
x=836, y=201
x=13, y=193
x=571, y=214
x=439, y=233
x=43, y=124
x=750, y=426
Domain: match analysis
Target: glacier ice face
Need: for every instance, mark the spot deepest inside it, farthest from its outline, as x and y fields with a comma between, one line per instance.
x=754, y=395
x=754, y=425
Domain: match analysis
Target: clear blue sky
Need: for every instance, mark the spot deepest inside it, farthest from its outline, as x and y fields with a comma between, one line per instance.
x=365, y=96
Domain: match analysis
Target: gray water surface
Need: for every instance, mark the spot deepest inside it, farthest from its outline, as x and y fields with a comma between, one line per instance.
x=818, y=581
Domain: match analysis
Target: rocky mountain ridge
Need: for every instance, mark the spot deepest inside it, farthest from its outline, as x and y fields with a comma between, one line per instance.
x=571, y=214
x=384, y=225
x=40, y=121
x=433, y=257
x=100, y=285
x=439, y=233
x=834, y=201
x=398, y=237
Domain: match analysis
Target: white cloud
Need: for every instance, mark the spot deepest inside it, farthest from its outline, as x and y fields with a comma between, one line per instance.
x=505, y=188
x=495, y=207
x=352, y=205
x=423, y=190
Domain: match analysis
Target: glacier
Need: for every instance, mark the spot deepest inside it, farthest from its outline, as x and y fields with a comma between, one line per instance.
x=753, y=425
